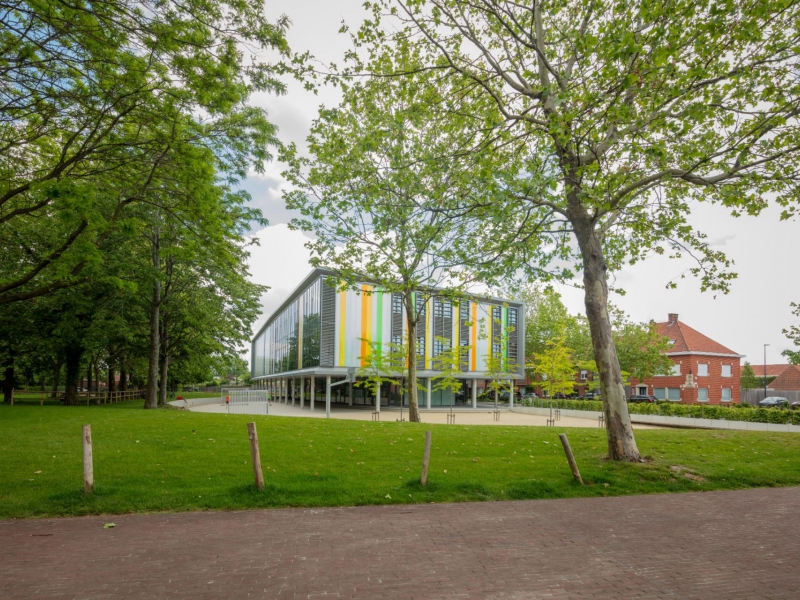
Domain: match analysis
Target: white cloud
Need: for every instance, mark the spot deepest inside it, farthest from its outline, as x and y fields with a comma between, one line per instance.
x=281, y=262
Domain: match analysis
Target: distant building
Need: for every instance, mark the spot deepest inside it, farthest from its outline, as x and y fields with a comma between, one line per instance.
x=312, y=339
x=704, y=370
x=787, y=377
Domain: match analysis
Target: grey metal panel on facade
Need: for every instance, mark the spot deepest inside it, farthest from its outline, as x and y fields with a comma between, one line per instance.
x=328, y=326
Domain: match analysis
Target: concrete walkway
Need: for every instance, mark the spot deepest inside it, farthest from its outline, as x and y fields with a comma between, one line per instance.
x=727, y=545
x=464, y=416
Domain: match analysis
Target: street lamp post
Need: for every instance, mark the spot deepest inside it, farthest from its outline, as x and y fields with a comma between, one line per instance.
x=765, y=370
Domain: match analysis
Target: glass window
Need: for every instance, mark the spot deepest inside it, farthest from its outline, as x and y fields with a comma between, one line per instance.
x=726, y=394
x=660, y=393
x=726, y=370
x=584, y=373
x=702, y=394
x=702, y=370
x=676, y=369
x=674, y=394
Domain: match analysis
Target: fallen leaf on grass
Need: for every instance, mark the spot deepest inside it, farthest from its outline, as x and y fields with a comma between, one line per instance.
x=109, y=525
x=388, y=496
x=36, y=472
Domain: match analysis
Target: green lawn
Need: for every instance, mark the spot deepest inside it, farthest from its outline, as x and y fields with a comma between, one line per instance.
x=169, y=460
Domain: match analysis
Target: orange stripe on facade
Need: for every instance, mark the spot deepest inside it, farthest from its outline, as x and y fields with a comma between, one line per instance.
x=366, y=322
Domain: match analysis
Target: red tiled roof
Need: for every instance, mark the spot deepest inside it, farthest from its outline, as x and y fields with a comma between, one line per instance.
x=687, y=339
x=789, y=379
x=772, y=370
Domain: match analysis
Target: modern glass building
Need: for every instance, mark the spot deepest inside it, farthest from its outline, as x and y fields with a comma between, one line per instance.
x=306, y=347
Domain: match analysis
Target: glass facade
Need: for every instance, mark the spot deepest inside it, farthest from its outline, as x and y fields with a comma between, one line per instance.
x=311, y=324
x=286, y=344
x=321, y=327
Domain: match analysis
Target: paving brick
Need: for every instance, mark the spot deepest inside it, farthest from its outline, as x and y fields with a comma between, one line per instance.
x=730, y=545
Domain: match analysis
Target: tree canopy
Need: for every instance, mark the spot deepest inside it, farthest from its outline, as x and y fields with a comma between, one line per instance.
x=613, y=118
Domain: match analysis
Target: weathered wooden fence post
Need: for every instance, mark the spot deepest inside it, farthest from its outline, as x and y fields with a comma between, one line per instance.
x=426, y=457
x=570, y=458
x=255, y=455
x=88, y=467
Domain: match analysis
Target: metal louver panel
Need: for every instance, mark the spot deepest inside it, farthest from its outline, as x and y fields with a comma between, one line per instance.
x=328, y=326
x=513, y=338
x=463, y=332
x=422, y=329
x=397, y=318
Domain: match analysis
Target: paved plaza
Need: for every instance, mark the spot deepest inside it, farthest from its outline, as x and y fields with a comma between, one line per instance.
x=464, y=416
x=728, y=545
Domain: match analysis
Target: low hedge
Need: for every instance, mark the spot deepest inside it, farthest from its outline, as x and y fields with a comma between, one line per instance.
x=742, y=412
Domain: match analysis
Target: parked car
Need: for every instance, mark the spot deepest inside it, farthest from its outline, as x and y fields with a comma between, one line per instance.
x=590, y=397
x=642, y=398
x=529, y=396
x=774, y=402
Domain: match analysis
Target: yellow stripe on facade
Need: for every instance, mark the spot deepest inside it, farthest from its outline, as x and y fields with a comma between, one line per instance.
x=343, y=328
x=428, y=333
x=474, y=338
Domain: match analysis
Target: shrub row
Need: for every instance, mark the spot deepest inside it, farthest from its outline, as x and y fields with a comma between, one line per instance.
x=742, y=412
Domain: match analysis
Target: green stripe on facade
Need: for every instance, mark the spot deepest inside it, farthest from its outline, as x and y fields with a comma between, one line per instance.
x=378, y=334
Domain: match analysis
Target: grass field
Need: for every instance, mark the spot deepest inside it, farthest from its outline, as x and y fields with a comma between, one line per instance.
x=169, y=460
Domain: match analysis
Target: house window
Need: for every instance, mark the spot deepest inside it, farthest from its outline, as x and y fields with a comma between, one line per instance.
x=643, y=390
x=676, y=369
x=702, y=394
x=702, y=370
x=726, y=370
x=674, y=394
x=584, y=373
x=660, y=393
x=726, y=394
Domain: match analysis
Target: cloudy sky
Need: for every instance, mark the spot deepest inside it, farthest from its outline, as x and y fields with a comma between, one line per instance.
x=764, y=249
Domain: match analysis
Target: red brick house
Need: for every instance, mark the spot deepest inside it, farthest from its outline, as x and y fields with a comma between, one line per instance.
x=787, y=377
x=705, y=370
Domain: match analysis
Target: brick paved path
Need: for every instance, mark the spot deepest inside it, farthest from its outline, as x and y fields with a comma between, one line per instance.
x=742, y=544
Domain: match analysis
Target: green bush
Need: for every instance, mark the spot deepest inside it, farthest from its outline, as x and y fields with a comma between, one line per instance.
x=729, y=412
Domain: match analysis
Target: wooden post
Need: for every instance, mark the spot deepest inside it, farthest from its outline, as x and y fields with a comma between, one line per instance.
x=570, y=458
x=88, y=467
x=41, y=399
x=426, y=459
x=255, y=455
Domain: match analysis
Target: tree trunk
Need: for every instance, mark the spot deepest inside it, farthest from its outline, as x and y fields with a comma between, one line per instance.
x=89, y=376
x=112, y=385
x=619, y=432
x=57, y=375
x=74, y=353
x=151, y=394
x=162, y=396
x=8, y=381
x=123, y=375
x=413, y=402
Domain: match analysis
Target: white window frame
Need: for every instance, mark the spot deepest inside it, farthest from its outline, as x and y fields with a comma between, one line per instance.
x=678, y=399
x=584, y=374
x=730, y=394
x=660, y=393
x=730, y=370
x=702, y=369
x=702, y=389
x=676, y=369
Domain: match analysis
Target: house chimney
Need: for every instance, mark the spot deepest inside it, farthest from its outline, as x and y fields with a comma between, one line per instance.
x=673, y=318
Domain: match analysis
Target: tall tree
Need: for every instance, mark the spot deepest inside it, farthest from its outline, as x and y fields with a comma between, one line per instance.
x=96, y=98
x=386, y=199
x=793, y=333
x=624, y=114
